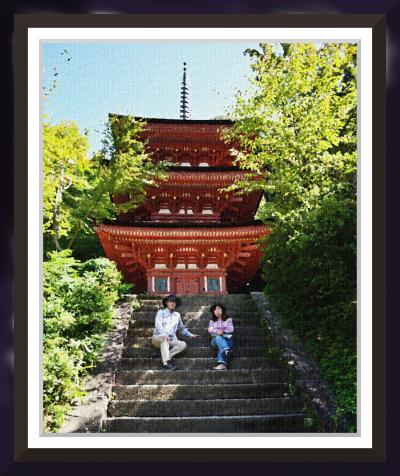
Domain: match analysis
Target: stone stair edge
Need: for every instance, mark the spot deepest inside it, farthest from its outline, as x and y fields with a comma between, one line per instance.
x=210, y=401
x=182, y=385
x=210, y=417
x=211, y=407
x=202, y=371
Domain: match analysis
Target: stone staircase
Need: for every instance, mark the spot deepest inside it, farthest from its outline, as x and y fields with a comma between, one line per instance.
x=252, y=396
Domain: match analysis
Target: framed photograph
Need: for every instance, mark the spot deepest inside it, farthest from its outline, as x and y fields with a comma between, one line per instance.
x=181, y=74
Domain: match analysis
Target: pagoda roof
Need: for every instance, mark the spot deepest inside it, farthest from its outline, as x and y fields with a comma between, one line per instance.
x=194, y=225
x=197, y=169
x=155, y=120
x=179, y=233
x=188, y=177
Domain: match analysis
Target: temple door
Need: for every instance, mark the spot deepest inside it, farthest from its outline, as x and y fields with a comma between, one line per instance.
x=194, y=286
x=187, y=286
x=180, y=286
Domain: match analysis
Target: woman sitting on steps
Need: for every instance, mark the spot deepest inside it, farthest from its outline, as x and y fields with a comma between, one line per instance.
x=220, y=328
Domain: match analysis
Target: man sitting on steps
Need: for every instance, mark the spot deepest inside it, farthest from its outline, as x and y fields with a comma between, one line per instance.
x=167, y=323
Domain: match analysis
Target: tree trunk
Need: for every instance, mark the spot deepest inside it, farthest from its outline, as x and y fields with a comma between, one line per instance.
x=74, y=236
x=56, y=214
x=97, y=196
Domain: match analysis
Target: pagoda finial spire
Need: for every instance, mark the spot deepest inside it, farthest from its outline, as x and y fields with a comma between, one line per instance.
x=184, y=96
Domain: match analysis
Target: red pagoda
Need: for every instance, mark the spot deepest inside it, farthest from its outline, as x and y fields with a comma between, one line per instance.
x=188, y=237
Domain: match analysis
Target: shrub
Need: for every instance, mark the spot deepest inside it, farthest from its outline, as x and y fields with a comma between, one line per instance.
x=311, y=274
x=77, y=311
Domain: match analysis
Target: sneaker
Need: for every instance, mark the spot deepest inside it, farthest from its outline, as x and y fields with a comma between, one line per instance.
x=169, y=366
x=173, y=365
x=220, y=367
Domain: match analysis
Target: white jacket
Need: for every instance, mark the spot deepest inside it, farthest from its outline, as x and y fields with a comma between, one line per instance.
x=167, y=324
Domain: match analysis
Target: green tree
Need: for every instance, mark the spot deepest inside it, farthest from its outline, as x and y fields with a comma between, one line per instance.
x=297, y=121
x=78, y=190
x=65, y=169
x=122, y=166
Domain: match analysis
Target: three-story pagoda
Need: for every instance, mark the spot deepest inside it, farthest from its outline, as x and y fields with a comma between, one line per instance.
x=188, y=237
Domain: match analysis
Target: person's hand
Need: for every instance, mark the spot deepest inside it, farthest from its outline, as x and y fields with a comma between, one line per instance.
x=220, y=332
x=165, y=338
x=195, y=336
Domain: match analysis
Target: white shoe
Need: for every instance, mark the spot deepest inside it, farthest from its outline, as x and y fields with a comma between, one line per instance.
x=220, y=367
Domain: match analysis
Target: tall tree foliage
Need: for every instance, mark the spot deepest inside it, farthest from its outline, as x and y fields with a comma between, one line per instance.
x=122, y=166
x=65, y=169
x=298, y=121
x=78, y=190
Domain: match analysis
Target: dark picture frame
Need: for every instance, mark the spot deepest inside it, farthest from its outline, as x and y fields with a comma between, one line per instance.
x=22, y=453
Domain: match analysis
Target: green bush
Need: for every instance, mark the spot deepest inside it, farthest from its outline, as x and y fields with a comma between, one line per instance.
x=62, y=371
x=86, y=246
x=310, y=267
x=77, y=311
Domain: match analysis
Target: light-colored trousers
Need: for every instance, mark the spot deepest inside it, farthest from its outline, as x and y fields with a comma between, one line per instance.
x=169, y=348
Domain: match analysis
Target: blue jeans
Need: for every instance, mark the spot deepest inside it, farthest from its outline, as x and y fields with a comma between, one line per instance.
x=221, y=343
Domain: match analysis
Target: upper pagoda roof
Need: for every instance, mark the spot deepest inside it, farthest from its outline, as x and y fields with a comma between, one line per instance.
x=185, y=142
x=155, y=120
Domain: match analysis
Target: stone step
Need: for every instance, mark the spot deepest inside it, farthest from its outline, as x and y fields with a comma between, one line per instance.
x=195, y=392
x=220, y=407
x=205, y=312
x=242, y=320
x=227, y=302
x=240, y=340
x=201, y=331
x=251, y=320
x=197, y=323
x=245, y=314
x=201, y=302
x=200, y=307
x=187, y=363
x=289, y=423
x=203, y=297
x=196, y=317
x=209, y=300
x=203, y=377
x=206, y=351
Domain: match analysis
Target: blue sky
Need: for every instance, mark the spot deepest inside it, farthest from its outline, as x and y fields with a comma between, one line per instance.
x=142, y=79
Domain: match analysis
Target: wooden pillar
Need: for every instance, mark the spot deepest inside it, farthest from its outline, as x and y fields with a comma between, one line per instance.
x=223, y=282
x=150, y=283
x=171, y=276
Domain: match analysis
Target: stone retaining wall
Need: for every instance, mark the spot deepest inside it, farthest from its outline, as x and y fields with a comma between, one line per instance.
x=309, y=377
x=88, y=415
